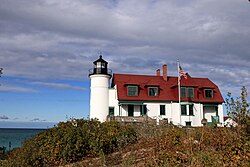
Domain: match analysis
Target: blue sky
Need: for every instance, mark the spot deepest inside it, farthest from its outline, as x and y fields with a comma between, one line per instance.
x=42, y=103
x=47, y=47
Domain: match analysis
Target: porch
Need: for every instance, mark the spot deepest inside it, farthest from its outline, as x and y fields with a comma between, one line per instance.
x=130, y=109
x=140, y=120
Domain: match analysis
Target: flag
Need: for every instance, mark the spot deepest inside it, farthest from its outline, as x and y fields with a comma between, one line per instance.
x=182, y=72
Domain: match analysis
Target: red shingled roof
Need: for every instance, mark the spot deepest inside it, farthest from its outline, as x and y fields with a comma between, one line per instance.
x=168, y=90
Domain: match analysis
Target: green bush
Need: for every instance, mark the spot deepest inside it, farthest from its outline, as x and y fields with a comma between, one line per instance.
x=72, y=141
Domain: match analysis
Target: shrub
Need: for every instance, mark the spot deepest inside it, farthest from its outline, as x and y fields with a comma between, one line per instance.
x=72, y=141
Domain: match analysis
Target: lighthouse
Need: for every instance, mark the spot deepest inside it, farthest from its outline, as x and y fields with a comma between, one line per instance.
x=99, y=89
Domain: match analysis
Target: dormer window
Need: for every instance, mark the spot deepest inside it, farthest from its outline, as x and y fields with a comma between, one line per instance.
x=153, y=91
x=190, y=92
x=208, y=93
x=132, y=90
x=187, y=92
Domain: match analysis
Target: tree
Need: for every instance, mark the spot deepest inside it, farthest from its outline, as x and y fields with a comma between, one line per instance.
x=1, y=71
x=238, y=109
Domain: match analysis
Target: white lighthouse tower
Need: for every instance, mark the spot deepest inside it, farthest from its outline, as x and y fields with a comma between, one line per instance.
x=99, y=89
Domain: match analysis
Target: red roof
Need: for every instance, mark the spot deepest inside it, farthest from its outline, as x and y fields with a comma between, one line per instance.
x=168, y=90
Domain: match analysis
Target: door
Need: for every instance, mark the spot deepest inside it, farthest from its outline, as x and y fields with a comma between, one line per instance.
x=111, y=111
x=130, y=110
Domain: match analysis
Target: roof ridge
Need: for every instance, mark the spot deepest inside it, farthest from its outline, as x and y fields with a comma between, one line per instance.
x=147, y=75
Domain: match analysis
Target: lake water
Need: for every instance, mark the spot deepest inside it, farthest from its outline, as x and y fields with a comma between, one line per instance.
x=13, y=137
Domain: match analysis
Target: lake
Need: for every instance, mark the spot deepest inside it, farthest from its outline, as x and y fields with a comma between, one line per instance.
x=14, y=137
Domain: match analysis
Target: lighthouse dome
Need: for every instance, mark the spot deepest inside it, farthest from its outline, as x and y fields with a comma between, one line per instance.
x=100, y=67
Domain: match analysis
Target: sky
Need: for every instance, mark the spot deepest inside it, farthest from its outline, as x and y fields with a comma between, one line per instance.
x=48, y=46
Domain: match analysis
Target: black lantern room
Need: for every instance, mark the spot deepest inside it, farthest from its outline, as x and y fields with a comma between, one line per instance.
x=100, y=67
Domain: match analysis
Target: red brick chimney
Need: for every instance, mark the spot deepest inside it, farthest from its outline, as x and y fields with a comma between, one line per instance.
x=158, y=72
x=164, y=72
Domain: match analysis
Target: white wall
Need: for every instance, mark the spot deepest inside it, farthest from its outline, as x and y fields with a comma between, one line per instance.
x=195, y=119
x=153, y=109
x=99, y=96
x=113, y=101
x=172, y=111
x=221, y=113
x=175, y=113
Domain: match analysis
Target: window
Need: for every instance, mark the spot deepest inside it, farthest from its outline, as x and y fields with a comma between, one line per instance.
x=190, y=92
x=162, y=110
x=208, y=93
x=103, y=65
x=183, y=110
x=153, y=91
x=187, y=92
x=189, y=123
x=143, y=109
x=98, y=64
x=111, y=111
x=132, y=91
x=183, y=92
x=191, y=109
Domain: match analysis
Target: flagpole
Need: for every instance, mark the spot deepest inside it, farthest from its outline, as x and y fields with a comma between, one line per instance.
x=179, y=88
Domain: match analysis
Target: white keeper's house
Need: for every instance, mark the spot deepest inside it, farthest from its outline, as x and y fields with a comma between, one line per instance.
x=155, y=96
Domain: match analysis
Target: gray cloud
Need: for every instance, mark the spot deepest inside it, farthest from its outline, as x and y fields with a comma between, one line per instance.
x=4, y=117
x=60, y=39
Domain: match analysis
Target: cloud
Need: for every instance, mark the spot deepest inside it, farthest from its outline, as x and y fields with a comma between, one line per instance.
x=9, y=88
x=60, y=39
x=38, y=120
x=4, y=117
x=57, y=85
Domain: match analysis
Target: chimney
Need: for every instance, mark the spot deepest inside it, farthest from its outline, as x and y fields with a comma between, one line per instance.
x=158, y=72
x=164, y=72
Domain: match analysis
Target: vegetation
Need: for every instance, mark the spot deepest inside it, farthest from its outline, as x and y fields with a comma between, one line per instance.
x=71, y=142
x=91, y=143
x=238, y=109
